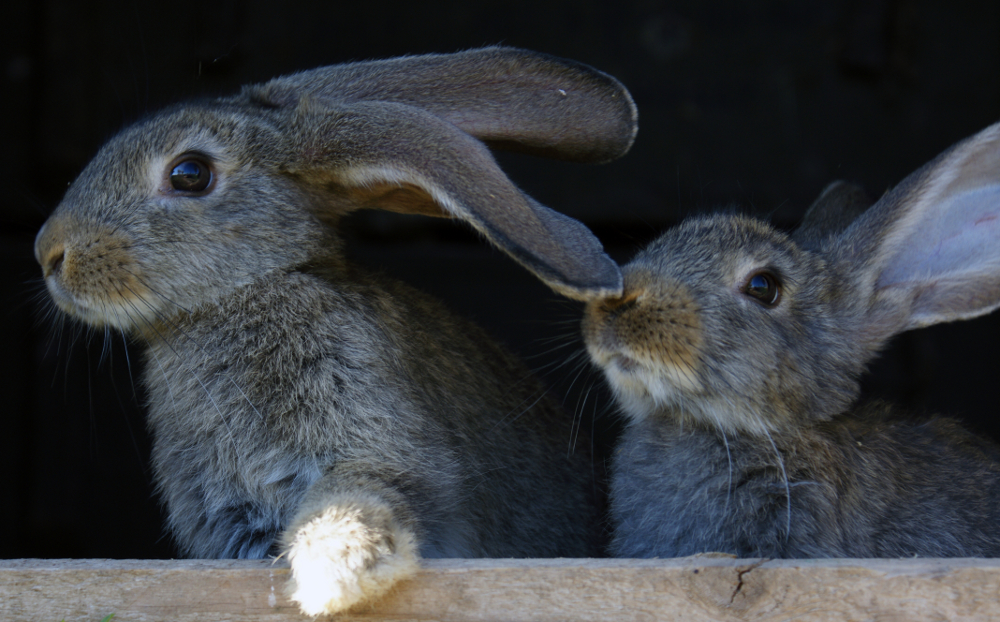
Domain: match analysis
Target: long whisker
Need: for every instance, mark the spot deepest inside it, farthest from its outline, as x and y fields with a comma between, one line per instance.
x=549, y=369
x=729, y=459
x=128, y=423
x=788, y=492
x=153, y=291
x=583, y=368
x=166, y=379
x=578, y=420
x=507, y=420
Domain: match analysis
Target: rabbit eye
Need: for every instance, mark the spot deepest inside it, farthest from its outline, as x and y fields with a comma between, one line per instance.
x=191, y=175
x=764, y=288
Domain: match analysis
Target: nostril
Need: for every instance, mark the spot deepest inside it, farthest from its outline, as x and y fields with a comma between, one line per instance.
x=55, y=262
x=616, y=306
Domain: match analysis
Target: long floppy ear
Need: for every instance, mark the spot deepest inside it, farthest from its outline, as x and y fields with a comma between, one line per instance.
x=509, y=98
x=397, y=157
x=929, y=250
x=832, y=212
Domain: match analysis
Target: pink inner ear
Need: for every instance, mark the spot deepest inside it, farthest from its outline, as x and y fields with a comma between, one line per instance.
x=951, y=258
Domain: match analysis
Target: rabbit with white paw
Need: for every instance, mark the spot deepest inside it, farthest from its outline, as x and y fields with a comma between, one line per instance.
x=301, y=405
x=735, y=354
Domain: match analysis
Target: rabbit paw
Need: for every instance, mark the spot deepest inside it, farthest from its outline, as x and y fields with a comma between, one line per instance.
x=346, y=555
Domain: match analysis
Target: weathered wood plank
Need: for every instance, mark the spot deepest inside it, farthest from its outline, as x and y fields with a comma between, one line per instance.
x=691, y=589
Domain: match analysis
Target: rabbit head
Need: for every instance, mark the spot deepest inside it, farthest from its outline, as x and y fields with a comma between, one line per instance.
x=729, y=323
x=198, y=199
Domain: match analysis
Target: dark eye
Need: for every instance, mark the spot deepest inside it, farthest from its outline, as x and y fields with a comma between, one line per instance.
x=764, y=288
x=191, y=175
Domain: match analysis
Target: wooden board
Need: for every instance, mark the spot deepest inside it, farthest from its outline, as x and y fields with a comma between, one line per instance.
x=690, y=589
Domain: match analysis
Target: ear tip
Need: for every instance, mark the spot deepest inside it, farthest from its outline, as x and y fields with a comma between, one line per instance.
x=586, y=294
x=617, y=125
x=626, y=120
x=621, y=114
x=606, y=284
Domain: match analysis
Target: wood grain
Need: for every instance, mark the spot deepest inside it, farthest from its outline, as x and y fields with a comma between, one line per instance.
x=690, y=589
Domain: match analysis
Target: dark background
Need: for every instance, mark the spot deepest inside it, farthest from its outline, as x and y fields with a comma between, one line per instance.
x=757, y=105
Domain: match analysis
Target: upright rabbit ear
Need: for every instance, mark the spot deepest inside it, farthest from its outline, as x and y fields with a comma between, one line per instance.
x=509, y=98
x=835, y=209
x=929, y=250
x=397, y=157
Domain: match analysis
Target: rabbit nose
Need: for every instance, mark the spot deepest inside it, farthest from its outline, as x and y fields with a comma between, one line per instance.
x=50, y=246
x=53, y=260
x=614, y=307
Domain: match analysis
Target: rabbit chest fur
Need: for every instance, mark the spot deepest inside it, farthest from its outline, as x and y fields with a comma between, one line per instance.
x=298, y=372
x=866, y=484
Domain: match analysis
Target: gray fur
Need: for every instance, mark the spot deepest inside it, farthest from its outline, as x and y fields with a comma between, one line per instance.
x=830, y=214
x=322, y=370
x=299, y=404
x=744, y=434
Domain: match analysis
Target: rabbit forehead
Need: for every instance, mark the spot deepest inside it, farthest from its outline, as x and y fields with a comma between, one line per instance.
x=220, y=134
x=185, y=127
x=703, y=250
x=132, y=164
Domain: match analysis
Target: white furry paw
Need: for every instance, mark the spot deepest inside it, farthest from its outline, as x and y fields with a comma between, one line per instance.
x=345, y=556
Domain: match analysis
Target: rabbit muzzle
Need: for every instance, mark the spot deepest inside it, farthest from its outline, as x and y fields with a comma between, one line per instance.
x=647, y=342
x=90, y=272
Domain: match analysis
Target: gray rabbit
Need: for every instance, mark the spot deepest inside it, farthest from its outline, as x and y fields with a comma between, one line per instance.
x=735, y=354
x=301, y=405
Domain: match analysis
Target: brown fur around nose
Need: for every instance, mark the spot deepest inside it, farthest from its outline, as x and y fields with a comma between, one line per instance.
x=94, y=266
x=655, y=323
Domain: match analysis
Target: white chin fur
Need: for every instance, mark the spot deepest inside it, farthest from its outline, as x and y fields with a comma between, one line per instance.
x=642, y=391
x=123, y=317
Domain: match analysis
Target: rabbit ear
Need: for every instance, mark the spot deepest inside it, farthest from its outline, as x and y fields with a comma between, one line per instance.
x=835, y=209
x=509, y=98
x=393, y=156
x=929, y=250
